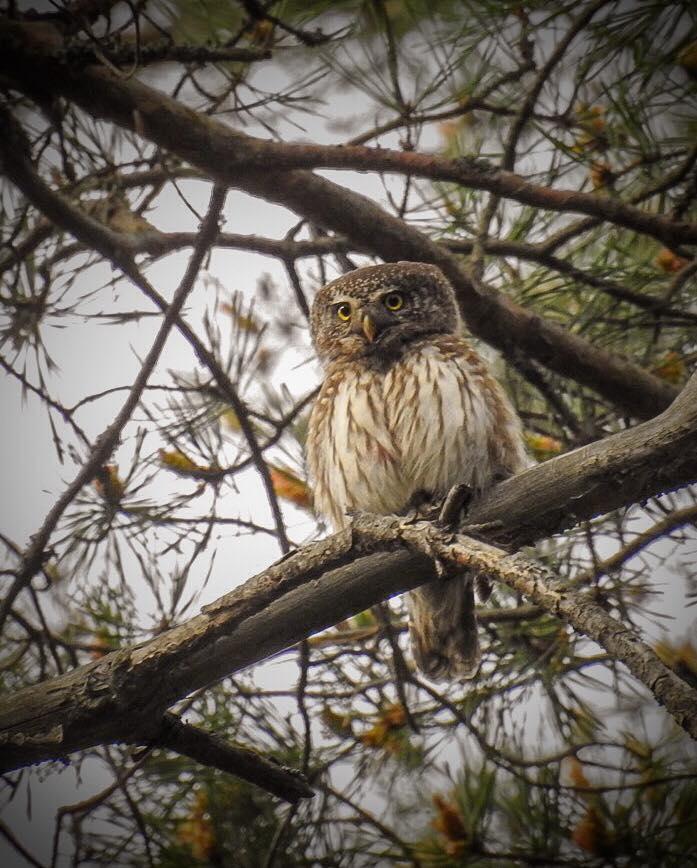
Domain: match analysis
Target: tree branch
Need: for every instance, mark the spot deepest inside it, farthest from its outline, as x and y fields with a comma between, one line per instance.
x=211, y=750
x=240, y=161
x=12, y=157
x=120, y=53
x=539, y=585
x=125, y=694
x=114, y=246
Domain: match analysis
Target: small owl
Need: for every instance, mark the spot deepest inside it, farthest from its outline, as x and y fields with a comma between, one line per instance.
x=407, y=409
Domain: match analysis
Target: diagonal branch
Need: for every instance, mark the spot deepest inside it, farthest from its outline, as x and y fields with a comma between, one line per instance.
x=120, y=53
x=211, y=750
x=114, y=246
x=124, y=695
x=26, y=60
x=537, y=583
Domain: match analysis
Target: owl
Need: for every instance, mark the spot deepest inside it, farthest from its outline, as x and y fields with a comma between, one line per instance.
x=407, y=409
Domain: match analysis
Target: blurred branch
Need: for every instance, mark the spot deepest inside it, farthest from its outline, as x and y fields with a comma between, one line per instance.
x=124, y=695
x=156, y=244
x=523, y=116
x=674, y=520
x=533, y=93
x=10, y=837
x=476, y=102
x=113, y=246
x=475, y=174
x=47, y=400
x=537, y=583
x=485, y=615
x=400, y=670
x=407, y=850
x=160, y=118
x=538, y=253
x=259, y=12
x=39, y=233
x=667, y=182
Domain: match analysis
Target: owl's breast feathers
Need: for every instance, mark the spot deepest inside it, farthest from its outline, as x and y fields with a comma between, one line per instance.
x=432, y=419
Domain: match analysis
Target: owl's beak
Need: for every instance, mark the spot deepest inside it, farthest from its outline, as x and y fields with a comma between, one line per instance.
x=371, y=321
x=369, y=328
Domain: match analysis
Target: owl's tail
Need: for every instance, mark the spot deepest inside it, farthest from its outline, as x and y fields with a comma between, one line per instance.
x=443, y=629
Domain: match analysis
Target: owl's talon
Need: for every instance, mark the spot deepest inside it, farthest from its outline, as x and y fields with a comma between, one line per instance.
x=483, y=587
x=420, y=507
x=457, y=500
x=440, y=568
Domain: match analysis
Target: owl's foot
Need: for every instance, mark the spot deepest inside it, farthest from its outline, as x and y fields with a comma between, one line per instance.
x=456, y=502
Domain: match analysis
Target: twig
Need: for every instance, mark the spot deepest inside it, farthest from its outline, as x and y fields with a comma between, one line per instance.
x=211, y=750
x=7, y=833
x=15, y=162
x=674, y=520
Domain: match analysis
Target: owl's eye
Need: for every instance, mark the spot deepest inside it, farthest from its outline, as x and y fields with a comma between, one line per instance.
x=393, y=300
x=343, y=311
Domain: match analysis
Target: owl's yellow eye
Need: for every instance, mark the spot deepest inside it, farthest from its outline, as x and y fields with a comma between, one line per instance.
x=393, y=300
x=343, y=311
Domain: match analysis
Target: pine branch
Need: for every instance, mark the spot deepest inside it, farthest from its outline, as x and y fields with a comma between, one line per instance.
x=163, y=51
x=13, y=157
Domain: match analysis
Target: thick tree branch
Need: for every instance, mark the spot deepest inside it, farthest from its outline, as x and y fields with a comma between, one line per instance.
x=619, y=470
x=26, y=61
x=476, y=174
x=537, y=583
x=243, y=162
x=156, y=243
x=537, y=253
x=124, y=695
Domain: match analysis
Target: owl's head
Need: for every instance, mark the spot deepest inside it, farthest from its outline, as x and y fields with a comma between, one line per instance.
x=374, y=313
